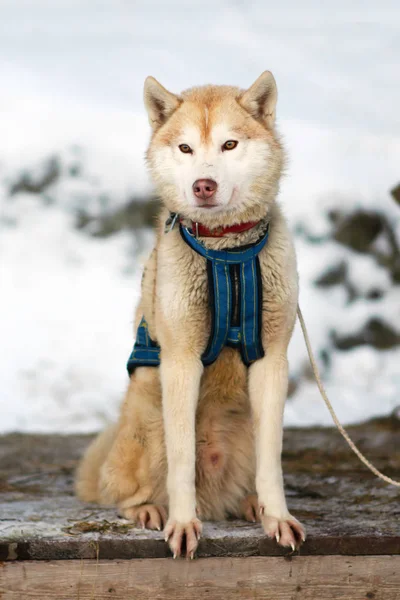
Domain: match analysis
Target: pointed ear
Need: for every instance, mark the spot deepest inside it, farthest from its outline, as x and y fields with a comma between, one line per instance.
x=159, y=102
x=260, y=99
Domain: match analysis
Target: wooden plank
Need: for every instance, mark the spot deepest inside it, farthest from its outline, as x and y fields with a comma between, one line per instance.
x=344, y=507
x=303, y=578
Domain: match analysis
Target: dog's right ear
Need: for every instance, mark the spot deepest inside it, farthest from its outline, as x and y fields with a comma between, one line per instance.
x=159, y=102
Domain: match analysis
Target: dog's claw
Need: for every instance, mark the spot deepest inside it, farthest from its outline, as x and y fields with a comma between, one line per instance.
x=180, y=534
x=288, y=532
x=250, y=509
x=145, y=516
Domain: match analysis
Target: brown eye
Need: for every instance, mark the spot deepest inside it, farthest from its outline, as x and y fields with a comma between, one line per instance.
x=185, y=149
x=230, y=145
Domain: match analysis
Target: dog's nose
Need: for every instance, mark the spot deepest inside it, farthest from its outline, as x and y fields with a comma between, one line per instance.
x=204, y=188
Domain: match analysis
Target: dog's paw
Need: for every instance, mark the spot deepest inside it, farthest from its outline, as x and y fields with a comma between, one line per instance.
x=288, y=531
x=250, y=509
x=180, y=535
x=147, y=516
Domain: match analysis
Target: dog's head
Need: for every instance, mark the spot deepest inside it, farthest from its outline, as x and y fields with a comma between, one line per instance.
x=214, y=155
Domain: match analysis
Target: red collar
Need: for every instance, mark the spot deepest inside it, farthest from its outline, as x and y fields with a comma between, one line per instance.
x=200, y=230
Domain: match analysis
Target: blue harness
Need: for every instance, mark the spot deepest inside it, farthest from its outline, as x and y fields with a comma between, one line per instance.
x=235, y=290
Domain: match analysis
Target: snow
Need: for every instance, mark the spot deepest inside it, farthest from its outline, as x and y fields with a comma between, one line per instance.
x=366, y=275
x=67, y=299
x=72, y=76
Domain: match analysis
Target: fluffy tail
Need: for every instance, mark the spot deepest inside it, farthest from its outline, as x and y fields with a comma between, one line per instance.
x=88, y=472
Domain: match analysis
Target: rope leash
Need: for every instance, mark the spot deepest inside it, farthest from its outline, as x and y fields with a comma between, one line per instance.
x=330, y=408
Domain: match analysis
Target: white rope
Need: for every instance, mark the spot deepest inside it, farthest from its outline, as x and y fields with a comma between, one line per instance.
x=330, y=408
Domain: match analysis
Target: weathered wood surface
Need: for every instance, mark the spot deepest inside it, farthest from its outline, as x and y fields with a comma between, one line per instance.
x=345, y=508
x=264, y=578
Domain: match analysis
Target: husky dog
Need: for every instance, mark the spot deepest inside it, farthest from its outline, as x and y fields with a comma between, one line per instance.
x=196, y=438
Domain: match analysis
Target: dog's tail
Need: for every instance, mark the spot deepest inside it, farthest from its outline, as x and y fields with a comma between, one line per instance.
x=87, y=477
x=330, y=407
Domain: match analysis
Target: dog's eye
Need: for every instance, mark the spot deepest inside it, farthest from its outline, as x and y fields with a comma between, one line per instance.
x=230, y=145
x=185, y=149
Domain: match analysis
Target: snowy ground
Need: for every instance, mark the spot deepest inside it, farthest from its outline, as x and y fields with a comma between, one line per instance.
x=72, y=75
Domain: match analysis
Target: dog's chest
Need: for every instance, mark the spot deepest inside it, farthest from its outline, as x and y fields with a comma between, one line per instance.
x=182, y=290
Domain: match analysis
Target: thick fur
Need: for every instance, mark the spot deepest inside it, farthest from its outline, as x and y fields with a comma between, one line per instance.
x=205, y=442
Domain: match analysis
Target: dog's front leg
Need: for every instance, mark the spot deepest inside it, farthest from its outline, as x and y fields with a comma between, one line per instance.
x=180, y=380
x=268, y=382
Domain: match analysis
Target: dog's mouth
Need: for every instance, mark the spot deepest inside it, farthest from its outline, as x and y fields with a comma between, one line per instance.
x=211, y=203
x=208, y=205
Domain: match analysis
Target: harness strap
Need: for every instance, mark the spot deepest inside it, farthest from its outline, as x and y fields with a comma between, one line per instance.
x=235, y=289
x=220, y=291
x=230, y=255
x=251, y=307
x=145, y=353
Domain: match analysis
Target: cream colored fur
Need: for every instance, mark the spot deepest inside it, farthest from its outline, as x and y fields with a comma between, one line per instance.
x=205, y=442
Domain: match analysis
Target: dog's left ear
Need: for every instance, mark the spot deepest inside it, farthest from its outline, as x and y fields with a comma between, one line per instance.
x=260, y=99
